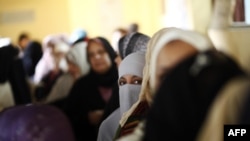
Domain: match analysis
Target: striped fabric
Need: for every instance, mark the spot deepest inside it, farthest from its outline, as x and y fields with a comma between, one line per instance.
x=138, y=115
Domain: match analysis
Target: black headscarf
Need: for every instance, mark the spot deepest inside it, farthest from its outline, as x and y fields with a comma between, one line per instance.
x=182, y=102
x=11, y=69
x=111, y=75
x=7, y=56
x=32, y=54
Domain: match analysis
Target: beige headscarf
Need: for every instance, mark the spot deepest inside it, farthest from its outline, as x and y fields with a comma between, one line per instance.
x=156, y=43
x=197, y=40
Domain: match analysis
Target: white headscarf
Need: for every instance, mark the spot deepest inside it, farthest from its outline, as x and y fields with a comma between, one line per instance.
x=166, y=35
x=47, y=63
x=78, y=56
x=133, y=64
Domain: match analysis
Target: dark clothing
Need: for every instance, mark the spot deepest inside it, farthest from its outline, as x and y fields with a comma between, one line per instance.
x=182, y=102
x=244, y=117
x=85, y=97
x=19, y=84
x=32, y=54
x=12, y=70
x=113, y=103
x=7, y=56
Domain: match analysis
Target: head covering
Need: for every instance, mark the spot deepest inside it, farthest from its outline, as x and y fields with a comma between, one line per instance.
x=35, y=122
x=32, y=54
x=164, y=36
x=182, y=102
x=47, y=62
x=78, y=34
x=4, y=41
x=78, y=56
x=111, y=75
x=57, y=41
x=133, y=64
x=132, y=42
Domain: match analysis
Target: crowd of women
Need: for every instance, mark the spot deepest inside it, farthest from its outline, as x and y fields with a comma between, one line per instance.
x=170, y=86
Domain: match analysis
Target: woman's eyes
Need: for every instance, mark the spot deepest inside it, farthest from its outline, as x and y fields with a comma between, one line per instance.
x=137, y=82
x=122, y=82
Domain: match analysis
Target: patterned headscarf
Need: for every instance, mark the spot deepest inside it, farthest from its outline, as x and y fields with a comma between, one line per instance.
x=132, y=42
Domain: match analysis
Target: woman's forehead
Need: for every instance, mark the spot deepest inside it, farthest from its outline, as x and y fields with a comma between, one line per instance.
x=97, y=41
x=95, y=45
x=130, y=76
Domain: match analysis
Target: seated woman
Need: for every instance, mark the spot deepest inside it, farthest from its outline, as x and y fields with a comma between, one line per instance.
x=14, y=88
x=128, y=44
x=130, y=78
x=54, y=47
x=90, y=94
x=166, y=49
x=77, y=67
x=50, y=67
x=185, y=96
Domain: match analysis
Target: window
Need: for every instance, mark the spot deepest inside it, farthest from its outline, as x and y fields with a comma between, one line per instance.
x=241, y=14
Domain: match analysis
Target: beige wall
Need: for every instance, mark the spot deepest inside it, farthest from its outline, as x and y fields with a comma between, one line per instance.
x=200, y=14
x=98, y=17
x=147, y=13
x=51, y=16
x=102, y=17
x=84, y=14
